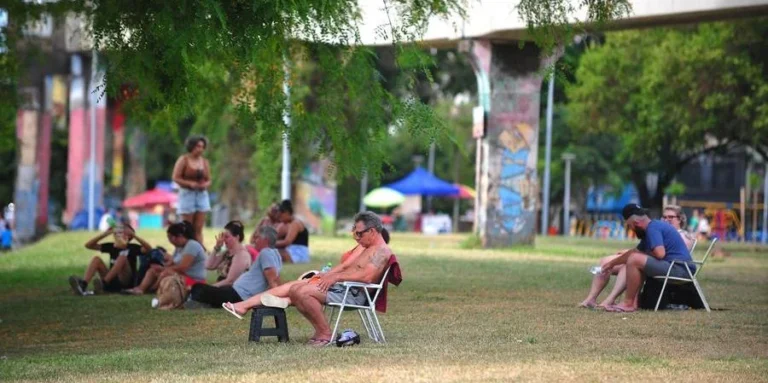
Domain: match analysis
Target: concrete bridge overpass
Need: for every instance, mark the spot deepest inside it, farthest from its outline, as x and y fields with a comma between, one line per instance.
x=509, y=81
x=499, y=19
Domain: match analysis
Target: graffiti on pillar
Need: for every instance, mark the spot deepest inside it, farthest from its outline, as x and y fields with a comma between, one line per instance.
x=59, y=102
x=513, y=137
x=517, y=177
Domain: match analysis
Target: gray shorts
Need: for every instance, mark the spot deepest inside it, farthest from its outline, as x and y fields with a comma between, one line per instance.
x=658, y=268
x=193, y=201
x=355, y=296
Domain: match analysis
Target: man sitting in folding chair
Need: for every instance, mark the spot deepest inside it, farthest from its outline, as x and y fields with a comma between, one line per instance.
x=660, y=245
x=368, y=267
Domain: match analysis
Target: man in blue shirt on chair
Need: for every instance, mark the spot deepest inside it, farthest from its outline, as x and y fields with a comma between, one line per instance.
x=660, y=244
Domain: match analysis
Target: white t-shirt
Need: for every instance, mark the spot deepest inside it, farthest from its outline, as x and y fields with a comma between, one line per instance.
x=194, y=249
x=703, y=225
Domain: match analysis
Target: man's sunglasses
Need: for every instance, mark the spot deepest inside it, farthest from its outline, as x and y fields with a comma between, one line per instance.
x=669, y=216
x=360, y=233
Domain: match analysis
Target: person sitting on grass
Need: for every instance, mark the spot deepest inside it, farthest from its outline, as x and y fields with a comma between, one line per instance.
x=264, y=274
x=232, y=261
x=660, y=245
x=294, y=246
x=278, y=296
x=674, y=216
x=188, y=260
x=272, y=219
x=121, y=273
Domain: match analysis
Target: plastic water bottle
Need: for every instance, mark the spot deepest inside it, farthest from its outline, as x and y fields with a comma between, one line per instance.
x=595, y=270
x=326, y=268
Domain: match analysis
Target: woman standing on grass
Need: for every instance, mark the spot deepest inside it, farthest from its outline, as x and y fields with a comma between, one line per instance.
x=193, y=175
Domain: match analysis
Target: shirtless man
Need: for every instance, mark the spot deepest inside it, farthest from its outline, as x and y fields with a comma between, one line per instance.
x=279, y=297
x=368, y=267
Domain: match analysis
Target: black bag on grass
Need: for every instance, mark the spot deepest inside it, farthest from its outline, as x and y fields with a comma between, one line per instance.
x=683, y=294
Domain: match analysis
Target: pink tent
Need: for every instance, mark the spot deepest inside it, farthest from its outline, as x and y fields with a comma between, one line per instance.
x=150, y=198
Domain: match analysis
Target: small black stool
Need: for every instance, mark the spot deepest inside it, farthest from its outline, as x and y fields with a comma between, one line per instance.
x=257, y=320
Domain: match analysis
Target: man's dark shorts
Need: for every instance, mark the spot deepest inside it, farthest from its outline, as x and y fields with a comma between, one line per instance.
x=355, y=296
x=658, y=268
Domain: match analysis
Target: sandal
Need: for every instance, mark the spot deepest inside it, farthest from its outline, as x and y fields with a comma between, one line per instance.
x=619, y=309
x=318, y=342
x=231, y=309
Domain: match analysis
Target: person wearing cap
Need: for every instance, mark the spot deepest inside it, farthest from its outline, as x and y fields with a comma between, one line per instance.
x=671, y=214
x=660, y=244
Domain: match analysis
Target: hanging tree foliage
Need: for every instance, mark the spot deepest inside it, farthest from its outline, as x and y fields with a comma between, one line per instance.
x=224, y=63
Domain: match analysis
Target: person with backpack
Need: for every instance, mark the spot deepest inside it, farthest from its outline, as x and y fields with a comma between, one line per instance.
x=187, y=261
x=121, y=273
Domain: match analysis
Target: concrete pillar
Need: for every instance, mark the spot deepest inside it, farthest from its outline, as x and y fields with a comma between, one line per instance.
x=44, y=156
x=25, y=193
x=79, y=157
x=76, y=144
x=509, y=187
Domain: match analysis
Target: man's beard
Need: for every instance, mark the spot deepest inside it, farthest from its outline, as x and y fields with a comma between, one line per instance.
x=640, y=232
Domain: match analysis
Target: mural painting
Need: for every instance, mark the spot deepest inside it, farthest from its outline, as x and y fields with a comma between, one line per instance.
x=315, y=197
x=513, y=127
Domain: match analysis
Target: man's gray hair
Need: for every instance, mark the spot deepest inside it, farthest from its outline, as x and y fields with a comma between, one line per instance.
x=270, y=234
x=370, y=220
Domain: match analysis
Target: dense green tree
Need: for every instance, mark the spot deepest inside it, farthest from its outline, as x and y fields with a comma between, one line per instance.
x=668, y=95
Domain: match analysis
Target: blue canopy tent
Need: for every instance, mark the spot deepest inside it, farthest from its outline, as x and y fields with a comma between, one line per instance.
x=422, y=182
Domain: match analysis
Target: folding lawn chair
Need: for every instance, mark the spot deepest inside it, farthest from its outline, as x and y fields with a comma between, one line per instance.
x=367, y=313
x=692, y=276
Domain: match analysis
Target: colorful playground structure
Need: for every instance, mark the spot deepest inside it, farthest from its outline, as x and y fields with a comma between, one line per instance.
x=728, y=221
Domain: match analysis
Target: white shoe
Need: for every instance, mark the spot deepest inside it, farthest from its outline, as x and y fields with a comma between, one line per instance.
x=269, y=300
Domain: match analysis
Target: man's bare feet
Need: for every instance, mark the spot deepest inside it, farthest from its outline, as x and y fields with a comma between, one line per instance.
x=240, y=308
x=588, y=304
x=133, y=291
x=320, y=340
x=605, y=304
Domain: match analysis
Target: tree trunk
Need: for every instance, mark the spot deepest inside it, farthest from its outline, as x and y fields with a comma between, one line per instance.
x=456, y=167
x=638, y=179
x=136, y=178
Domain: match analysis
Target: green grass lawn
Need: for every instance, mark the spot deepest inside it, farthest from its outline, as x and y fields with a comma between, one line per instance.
x=460, y=315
